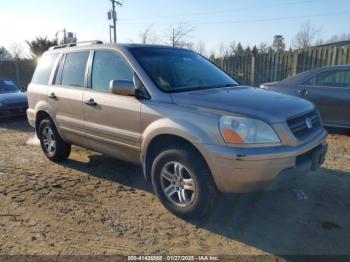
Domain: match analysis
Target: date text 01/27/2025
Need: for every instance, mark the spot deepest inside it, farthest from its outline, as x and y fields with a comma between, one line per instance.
x=173, y=258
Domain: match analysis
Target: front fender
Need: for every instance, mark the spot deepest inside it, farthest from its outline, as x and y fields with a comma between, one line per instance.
x=181, y=128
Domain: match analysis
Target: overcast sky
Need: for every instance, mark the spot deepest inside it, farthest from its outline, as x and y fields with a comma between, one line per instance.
x=249, y=22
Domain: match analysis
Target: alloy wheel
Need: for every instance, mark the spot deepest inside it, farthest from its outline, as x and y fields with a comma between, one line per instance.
x=178, y=184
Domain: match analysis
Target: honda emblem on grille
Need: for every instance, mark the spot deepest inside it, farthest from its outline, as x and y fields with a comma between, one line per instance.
x=308, y=122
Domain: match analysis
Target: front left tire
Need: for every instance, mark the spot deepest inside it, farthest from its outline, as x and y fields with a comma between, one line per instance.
x=183, y=182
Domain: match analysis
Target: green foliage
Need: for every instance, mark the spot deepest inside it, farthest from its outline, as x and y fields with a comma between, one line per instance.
x=40, y=44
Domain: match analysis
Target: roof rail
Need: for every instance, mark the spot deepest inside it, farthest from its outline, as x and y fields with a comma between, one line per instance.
x=93, y=42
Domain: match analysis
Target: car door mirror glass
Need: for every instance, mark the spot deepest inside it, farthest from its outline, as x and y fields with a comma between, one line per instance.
x=122, y=87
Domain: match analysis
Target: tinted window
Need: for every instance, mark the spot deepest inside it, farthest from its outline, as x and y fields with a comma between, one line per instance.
x=58, y=77
x=109, y=66
x=334, y=78
x=43, y=70
x=175, y=70
x=8, y=86
x=73, y=73
x=339, y=78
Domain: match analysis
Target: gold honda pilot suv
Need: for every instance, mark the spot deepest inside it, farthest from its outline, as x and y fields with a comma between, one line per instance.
x=193, y=128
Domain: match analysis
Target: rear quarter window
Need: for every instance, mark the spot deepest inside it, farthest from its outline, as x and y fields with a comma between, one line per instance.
x=44, y=68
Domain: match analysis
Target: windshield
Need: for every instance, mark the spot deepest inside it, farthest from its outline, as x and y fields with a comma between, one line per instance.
x=8, y=86
x=176, y=70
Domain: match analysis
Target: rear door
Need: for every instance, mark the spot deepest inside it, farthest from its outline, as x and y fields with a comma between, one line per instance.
x=66, y=96
x=330, y=91
x=112, y=121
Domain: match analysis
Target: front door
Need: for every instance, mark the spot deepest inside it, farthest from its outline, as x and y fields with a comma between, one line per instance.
x=112, y=121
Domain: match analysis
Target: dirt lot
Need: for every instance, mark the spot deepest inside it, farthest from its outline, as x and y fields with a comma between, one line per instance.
x=92, y=204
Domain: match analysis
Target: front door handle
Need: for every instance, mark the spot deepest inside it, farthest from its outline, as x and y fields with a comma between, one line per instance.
x=303, y=92
x=52, y=96
x=91, y=102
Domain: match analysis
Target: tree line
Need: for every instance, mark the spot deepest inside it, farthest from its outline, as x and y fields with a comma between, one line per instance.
x=179, y=35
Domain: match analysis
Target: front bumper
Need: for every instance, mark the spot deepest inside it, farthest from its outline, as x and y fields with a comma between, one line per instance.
x=12, y=112
x=250, y=169
x=31, y=117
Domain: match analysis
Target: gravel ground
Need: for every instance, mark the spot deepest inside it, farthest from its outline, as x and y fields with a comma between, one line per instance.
x=93, y=204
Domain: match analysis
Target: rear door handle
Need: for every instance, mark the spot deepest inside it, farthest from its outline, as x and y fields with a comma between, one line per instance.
x=303, y=92
x=91, y=102
x=52, y=96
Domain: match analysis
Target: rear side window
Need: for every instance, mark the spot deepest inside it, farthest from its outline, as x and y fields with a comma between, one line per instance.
x=44, y=68
x=73, y=73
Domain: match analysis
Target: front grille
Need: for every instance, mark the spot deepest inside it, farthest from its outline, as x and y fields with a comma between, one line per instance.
x=298, y=125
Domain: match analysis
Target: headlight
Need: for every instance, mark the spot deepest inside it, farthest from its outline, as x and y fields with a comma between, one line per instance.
x=242, y=130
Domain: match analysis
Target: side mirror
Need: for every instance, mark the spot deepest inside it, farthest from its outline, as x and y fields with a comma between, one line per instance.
x=122, y=87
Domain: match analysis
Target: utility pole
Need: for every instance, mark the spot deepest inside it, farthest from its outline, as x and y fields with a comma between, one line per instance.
x=112, y=15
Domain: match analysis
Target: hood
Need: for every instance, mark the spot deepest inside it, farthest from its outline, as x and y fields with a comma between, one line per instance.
x=253, y=102
x=14, y=99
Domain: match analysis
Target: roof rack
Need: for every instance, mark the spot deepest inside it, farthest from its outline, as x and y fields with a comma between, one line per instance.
x=93, y=42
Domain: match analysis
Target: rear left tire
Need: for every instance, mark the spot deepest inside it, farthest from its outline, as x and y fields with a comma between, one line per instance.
x=51, y=142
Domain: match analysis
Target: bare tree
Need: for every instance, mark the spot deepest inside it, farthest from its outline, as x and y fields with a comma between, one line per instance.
x=178, y=34
x=227, y=50
x=17, y=51
x=212, y=56
x=306, y=36
x=201, y=48
x=224, y=50
x=148, y=36
x=264, y=48
x=232, y=47
x=335, y=38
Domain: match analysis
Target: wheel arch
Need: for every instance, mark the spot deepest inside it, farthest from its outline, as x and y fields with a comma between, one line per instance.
x=162, y=141
x=39, y=116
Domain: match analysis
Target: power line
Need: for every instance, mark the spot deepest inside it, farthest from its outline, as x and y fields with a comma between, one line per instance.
x=223, y=11
x=254, y=20
x=276, y=18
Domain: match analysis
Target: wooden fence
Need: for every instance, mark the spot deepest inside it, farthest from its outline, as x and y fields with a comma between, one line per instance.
x=275, y=66
x=249, y=69
x=19, y=70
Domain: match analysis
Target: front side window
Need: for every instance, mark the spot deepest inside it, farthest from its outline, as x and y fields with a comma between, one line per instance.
x=333, y=78
x=73, y=72
x=108, y=66
x=43, y=70
x=176, y=70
